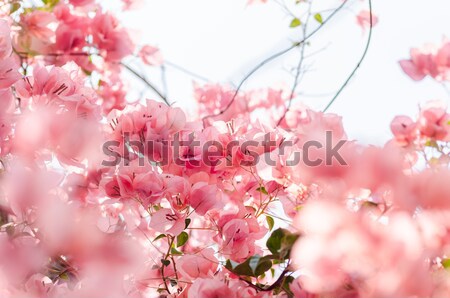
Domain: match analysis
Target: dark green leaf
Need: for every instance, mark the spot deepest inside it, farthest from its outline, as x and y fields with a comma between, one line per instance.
x=262, y=189
x=274, y=241
x=165, y=262
x=262, y=266
x=280, y=243
x=285, y=286
x=253, y=266
x=187, y=221
x=182, y=239
x=160, y=236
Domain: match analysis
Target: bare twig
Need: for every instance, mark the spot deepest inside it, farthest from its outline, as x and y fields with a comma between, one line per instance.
x=146, y=82
x=188, y=72
x=164, y=80
x=274, y=56
x=298, y=69
x=357, y=65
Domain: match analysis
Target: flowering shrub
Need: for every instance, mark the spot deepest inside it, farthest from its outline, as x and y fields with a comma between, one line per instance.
x=105, y=198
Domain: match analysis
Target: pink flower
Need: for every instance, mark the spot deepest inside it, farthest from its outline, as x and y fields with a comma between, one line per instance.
x=9, y=73
x=7, y=102
x=151, y=55
x=443, y=56
x=404, y=130
x=36, y=23
x=204, y=197
x=249, y=2
x=200, y=265
x=433, y=120
x=210, y=288
x=81, y=2
x=59, y=86
x=71, y=32
x=110, y=38
x=238, y=236
x=429, y=60
x=132, y=4
x=167, y=221
x=363, y=19
x=5, y=40
x=338, y=245
x=431, y=190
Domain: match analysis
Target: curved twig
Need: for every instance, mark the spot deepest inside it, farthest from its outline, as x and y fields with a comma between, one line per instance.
x=369, y=38
x=186, y=71
x=146, y=82
x=274, y=56
x=297, y=71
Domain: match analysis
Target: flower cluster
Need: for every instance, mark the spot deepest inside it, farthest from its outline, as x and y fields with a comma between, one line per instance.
x=430, y=60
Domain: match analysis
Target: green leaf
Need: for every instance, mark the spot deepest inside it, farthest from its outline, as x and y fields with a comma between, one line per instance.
x=270, y=222
x=165, y=262
x=295, y=23
x=182, y=239
x=445, y=263
x=318, y=18
x=14, y=7
x=160, y=236
x=285, y=286
x=260, y=265
x=280, y=243
x=262, y=189
x=253, y=266
x=274, y=241
x=51, y=3
x=174, y=251
x=86, y=72
x=431, y=143
x=187, y=222
x=272, y=271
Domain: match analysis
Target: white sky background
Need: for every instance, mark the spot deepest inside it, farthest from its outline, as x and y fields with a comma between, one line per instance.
x=224, y=39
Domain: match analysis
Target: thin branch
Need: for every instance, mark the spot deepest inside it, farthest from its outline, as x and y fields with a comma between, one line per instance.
x=366, y=49
x=273, y=286
x=182, y=69
x=146, y=82
x=164, y=80
x=298, y=69
x=274, y=56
